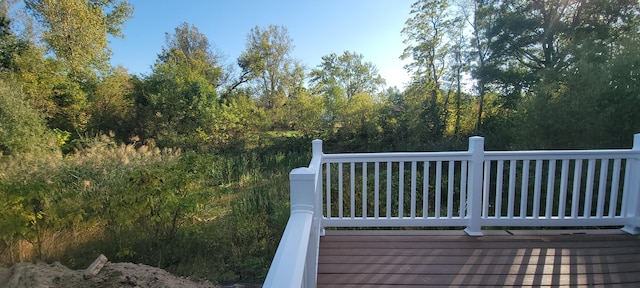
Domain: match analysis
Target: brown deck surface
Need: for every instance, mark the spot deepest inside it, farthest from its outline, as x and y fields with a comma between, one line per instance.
x=592, y=258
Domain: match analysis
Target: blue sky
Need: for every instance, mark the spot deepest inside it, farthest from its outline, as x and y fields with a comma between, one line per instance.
x=317, y=28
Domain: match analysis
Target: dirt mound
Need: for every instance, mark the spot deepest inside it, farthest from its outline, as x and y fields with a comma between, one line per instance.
x=42, y=275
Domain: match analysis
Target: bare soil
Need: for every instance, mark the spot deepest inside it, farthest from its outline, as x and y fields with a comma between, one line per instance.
x=56, y=275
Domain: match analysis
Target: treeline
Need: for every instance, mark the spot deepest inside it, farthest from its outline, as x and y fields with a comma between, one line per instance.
x=564, y=72
x=82, y=142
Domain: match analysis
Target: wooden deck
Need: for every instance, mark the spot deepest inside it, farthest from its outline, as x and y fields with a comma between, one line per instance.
x=517, y=258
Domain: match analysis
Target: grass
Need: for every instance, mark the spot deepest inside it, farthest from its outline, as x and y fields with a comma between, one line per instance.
x=211, y=215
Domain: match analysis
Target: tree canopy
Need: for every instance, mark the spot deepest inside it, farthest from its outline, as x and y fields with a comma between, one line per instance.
x=76, y=30
x=495, y=68
x=347, y=72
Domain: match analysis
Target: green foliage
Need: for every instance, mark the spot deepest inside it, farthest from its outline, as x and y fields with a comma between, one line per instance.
x=212, y=215
x=306, y=113
x=273, y=74
x=178, y=104
x=348, y=72
x=71, y=105
x=531, y=41
x=590, y=106
x=425, y=112
x=426, y=44
x=267, y=59
x=27, y=199
x=237, y=118
x=239, y=246
x=62, y=101
x=76, y=30
x=110, y=107
x=10, y=44
x=22, y=129
x=178, y=100
x=55, y=194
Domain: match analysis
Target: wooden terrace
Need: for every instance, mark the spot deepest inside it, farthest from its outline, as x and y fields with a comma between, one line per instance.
x=512, y=258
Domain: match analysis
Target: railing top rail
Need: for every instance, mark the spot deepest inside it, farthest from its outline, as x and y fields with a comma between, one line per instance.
x=287, y=268
x=315, y=162
x=396, y=157
x=560, y=154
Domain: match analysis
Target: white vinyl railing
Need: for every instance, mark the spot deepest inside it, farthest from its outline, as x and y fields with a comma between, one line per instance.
x=296, y=261
x=395, y=189
x=472, y=189
x=557, y=188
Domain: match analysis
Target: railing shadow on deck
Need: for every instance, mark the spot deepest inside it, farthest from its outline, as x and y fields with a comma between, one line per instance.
x=472, y=189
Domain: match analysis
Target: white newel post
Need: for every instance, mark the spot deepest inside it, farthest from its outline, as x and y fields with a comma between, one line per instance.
x=474, y=195
x=302, y=190
x=316, y=146
x=633, y=200
x=316, y=227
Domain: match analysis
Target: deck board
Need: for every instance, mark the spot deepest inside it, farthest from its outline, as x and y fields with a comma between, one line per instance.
x=433, y=259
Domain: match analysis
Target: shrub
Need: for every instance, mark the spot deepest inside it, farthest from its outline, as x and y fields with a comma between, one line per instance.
x=22, y=129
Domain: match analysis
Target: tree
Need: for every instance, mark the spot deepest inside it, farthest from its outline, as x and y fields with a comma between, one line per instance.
x=76, y=33
x=535, y=39
x=189, y=43
x=338, y=79
x=459, y=59
x=177, y=105
x=307, y=111
x=559, y=56
x=48, y=89
x=427, y=47
x=593, y=105
x=10, y=44
x=110, y=106
x=359, y=116
x=479, y=18
x=76, y=30
x=267, y=62
x=22, y=129
x=348, y=72
x=390, y=115
x=174, y=102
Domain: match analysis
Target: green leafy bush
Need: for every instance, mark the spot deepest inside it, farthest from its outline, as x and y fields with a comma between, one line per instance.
x=22, y=128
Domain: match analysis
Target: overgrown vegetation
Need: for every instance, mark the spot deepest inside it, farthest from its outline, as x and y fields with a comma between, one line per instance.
x=216, y=215
x=192, y=175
